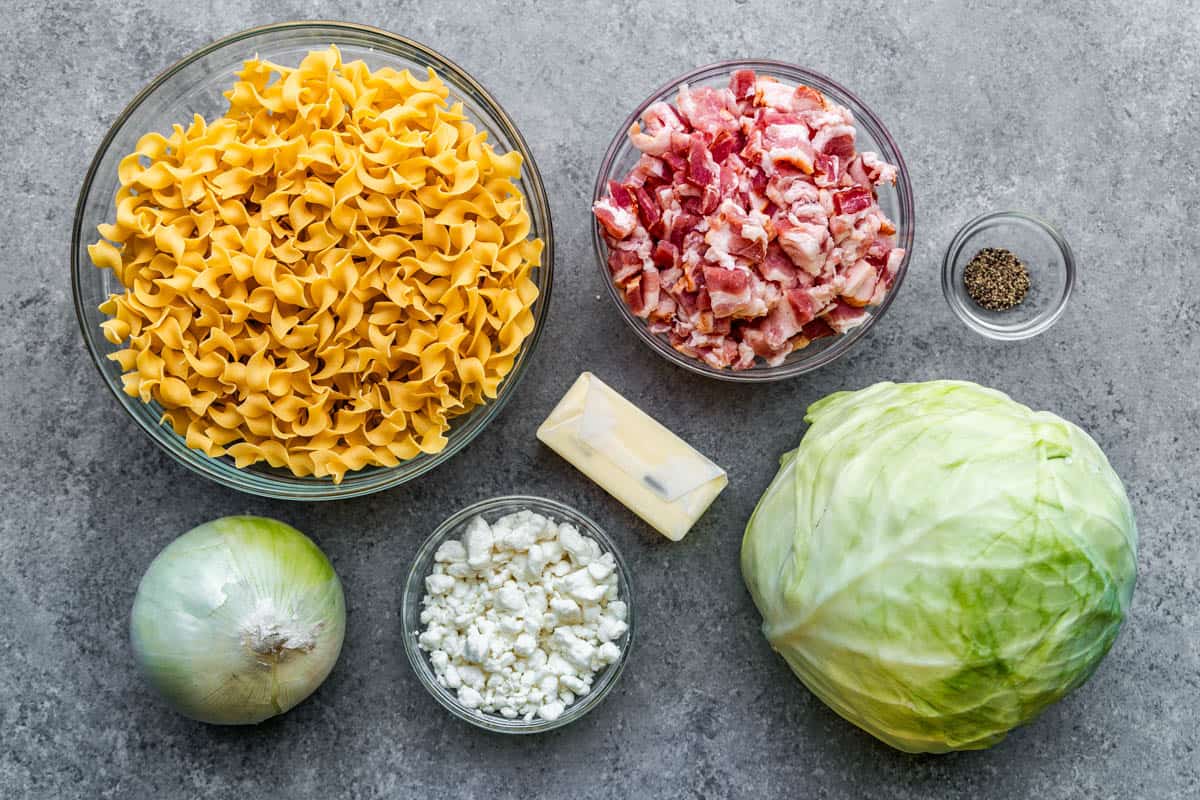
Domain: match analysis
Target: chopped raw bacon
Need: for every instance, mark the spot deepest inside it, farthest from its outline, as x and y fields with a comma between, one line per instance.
x=788, y=144
x=702, y=169
x=618, y=221
x=844, y=317
x=649, y=211
x=665, y=311
x=730, y=291
x=623, y=265
x=835, y=140
x=818, y=329
x=878, y=171
x=642, y=292
x=725, y=144
x=828, y=169
x=773, y=94
x=709, y=110
x=778, y=267
x=802, y=305
x=852, y=201
x=749, y=226
x=858, y=283
x=805, y=243
x=649, y=171
x=741, y=83
x=661, y=121
x=665, y=255
x=807, y=98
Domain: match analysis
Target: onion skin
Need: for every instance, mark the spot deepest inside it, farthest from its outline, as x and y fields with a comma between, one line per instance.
x=238, y=620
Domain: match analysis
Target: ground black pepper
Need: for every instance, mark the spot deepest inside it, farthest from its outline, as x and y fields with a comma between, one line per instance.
x=996, y=279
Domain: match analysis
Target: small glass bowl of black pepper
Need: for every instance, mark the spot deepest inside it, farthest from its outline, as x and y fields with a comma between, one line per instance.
x=1008, y=275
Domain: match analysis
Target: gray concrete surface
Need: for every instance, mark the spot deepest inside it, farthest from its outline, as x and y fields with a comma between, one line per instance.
x=1085, y=113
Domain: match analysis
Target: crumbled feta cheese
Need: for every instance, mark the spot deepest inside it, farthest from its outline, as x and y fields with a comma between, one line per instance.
x=478, y=541
x=520, y=615
x=551, y=711
x=439, y=584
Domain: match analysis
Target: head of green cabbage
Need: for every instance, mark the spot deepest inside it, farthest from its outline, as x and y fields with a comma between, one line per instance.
x=939, y=563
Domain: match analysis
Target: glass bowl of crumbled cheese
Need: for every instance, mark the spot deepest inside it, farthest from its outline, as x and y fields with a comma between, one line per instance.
x=517, y=614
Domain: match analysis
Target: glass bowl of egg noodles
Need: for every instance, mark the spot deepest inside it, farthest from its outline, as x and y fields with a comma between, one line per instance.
x=374, y=268
x=431, y=558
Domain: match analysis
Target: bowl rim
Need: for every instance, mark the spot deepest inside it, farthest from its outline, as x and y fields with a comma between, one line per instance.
x=414, y=588
x=1037, y=324
x=308, y=488
x=759, y=374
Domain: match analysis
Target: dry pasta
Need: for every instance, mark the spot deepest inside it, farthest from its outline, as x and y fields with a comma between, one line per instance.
x=324, y=277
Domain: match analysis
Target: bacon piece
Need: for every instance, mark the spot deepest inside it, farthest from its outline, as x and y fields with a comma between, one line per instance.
x=702, y=170
x=788, y=144
x=853, y=200
x=789, y=188
x=778, y=267
x=771, y=93
x=828, y=169
x=741, y=84
x=752, y=151
x=806, y=98
x=774, y=116
x=721, y=356
x=804, y=242
x=617, y=220
x=802, y=304
x=734, y=233
x=745, y=359
x=684, y=190
x=877, y=251
x=661, y=121
x=728, y=181
x=725, y=144
x=621, y=196
x=679, y=224
x=623, y=265
x=731, y=292
x=782, y=324
x=763, y=338
x=664, y=311
x=844, y=317
x=665, y=255
x=708, y=109
x=648, y=171
x=649, y=211
x=858, y=283
x=835, y=140
x=669, y=276
x=818, y=329
x=676, y=162
x=894, y=260
x=856, y=174
x=878, y=170
x=821, y=297
x=642, y=292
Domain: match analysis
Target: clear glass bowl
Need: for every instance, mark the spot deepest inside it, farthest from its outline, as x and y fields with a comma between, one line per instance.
x=414, y=590
x=195, y=85
x=896, y=201
x=1047, y=256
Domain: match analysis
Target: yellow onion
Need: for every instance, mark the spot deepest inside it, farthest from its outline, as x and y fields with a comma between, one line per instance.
x=238, y=620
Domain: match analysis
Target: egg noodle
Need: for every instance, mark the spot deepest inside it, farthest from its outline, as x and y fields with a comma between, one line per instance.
x=325, y=276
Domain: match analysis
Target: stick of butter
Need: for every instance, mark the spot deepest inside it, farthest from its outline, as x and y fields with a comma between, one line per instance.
x=657, y=475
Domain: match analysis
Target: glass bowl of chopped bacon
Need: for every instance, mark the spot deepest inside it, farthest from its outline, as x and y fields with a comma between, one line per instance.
x=752, y=220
